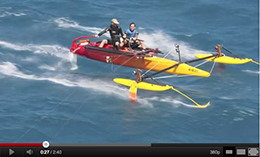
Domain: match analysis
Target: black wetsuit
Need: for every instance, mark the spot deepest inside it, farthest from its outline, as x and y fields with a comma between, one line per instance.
x=115, y=32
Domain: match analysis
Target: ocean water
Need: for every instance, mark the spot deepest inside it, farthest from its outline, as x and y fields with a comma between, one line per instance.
x=42, y=99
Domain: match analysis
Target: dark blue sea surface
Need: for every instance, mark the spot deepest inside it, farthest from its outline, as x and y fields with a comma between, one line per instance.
x=42, y=99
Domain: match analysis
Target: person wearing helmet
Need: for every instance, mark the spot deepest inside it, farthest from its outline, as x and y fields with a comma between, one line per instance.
x=115, y=32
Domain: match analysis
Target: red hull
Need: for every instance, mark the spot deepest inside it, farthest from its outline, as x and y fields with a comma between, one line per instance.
x=103, y=55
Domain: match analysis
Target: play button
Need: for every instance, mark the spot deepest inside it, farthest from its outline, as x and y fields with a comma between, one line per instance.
x=11, y=152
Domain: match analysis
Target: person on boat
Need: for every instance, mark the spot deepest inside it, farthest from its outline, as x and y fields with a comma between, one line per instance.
x=131, y=33
x=115, y=32
x=218, y=50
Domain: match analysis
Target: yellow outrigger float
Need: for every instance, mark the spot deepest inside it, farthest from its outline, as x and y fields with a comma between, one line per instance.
x=221, y=58
x=139, y=83
x=134, y=85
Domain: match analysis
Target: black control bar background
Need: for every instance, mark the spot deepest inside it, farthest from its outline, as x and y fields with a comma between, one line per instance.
x=178, y=150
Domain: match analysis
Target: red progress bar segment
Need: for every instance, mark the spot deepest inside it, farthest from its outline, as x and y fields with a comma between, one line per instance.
x=20, y=144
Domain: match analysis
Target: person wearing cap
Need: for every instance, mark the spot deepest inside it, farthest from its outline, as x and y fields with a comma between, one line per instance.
x=115, y=32
x=131, y=33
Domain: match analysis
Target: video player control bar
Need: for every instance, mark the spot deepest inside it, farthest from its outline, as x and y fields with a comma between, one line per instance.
x=181, y=150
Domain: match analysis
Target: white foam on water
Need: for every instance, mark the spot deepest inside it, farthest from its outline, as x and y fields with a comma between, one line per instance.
x=10, y=69
x=251, y=72
x=54, y=50
x=166, y=43
x=47, y=67
x=66, y=23
x=6, y=14
x=99, y=86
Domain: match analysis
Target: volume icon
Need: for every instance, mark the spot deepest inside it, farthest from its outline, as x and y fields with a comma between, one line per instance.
x=30, y=152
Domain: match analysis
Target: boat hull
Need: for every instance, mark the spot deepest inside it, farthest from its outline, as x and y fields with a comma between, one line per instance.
x=127, y=58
